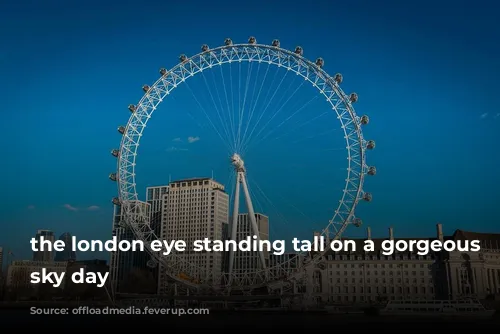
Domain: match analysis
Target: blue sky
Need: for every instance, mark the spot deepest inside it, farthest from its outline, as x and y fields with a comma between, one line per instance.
x=426, y=74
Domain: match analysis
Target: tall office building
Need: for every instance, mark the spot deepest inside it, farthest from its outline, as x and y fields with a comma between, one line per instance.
x=126, y=266
x=45, y=255
x=245, y=262
x=154, y=197
x=68, y=254
x=195, y=209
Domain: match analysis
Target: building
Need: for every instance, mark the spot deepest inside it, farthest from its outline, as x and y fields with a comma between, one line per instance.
x=282, y=265
x=87, y=290
x=124, y=264
x=365, y=277
x=154, y=197
x=245, y=262
x=18, y=273
x=96, y=266
x=475, y=274
x=45, y=255
x=194, y=209
x=68, y=254
x=355, y=276
x=115, y=272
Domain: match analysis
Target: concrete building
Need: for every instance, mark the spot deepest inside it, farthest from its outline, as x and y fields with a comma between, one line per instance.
x=89, y=290
x=122, y=264
x=359, y=277
x=154, y=197
x=116, y=276
x=364, y=277
x=474, y=274
x=96, y=266
x=18, y=273
x=67, y=254
x=282, y=265
x=249, y=261
x=45, y=255
x=195, y=209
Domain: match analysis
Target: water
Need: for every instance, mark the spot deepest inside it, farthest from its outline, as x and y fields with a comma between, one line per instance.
x=246, y=320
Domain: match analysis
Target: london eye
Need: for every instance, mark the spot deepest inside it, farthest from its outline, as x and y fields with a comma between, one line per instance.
x=237, y=138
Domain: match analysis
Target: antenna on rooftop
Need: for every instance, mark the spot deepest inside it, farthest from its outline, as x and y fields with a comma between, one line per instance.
x=169, y=178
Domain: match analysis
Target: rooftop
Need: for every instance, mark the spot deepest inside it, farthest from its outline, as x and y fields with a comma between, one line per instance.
x=191, y=179
x=488, y=240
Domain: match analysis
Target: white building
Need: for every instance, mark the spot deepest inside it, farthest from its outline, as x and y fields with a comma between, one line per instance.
x=364, y=277
x=474, y=274
x=195, y=209
x=19, y=272
x=45, y=255
x=359, y=277
x=250, y=261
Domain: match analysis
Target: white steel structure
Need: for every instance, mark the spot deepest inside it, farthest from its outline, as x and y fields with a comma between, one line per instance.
x=239, y=167
x=251, y=52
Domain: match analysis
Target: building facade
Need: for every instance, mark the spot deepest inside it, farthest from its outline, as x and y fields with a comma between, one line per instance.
x=245, y=262
x=125, y=265
x=154, y=197
x=282, y=265
x=68, y=254
x=195, y=209
x=475, y=274
x=45, y=255
x=19, y=272
x=367, y=277
x=86, y=290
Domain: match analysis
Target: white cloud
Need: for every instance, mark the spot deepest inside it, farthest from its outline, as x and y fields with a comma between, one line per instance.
x=174, y=149
x=497, y=115
x=31, y=207
x=193, y=139
x=93, y=208
x=483, y=116
x=177, y=139
x=69, y=207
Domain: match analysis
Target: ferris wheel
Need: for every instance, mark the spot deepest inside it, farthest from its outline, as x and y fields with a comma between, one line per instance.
x=135, y=213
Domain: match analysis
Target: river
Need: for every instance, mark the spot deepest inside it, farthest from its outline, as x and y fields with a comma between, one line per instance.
x=243, y=320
